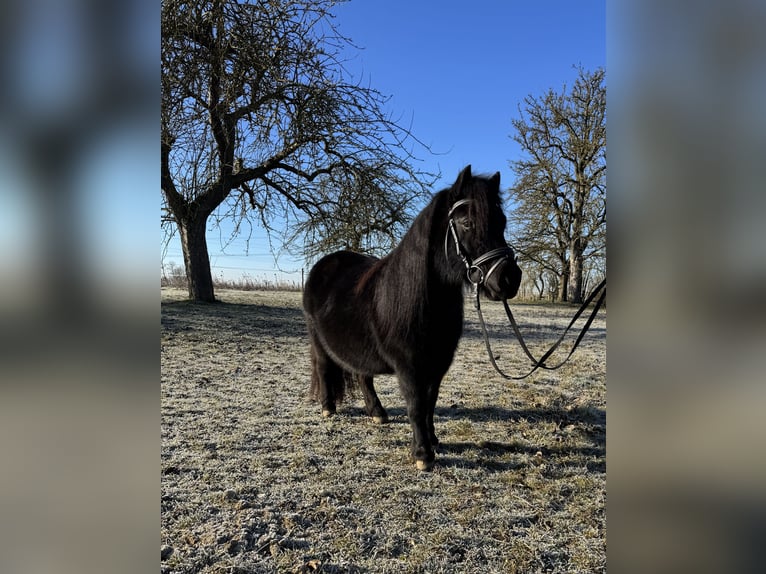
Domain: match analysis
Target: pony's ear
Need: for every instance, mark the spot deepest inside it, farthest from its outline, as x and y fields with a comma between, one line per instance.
x=462, y=179
x=494, y=181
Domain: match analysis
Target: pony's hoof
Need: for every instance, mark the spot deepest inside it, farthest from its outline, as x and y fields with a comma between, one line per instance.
x=424, y=465
x=380, y=420
x=327, y=412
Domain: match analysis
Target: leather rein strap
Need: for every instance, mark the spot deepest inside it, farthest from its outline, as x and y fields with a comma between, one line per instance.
x=477, y=277
x=540, y=364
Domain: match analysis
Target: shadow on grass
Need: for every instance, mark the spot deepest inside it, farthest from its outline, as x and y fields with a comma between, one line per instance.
x=576, y=415
x=317, y=566
x=493, y=455
x=582, y=417
x=289, y=322
x=232, y=318
x=590, y=422
x=532, y=333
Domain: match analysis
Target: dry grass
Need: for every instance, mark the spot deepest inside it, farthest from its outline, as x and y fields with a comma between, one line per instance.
x=255, y=480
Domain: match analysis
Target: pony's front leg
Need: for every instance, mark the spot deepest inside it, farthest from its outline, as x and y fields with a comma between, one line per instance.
x=421, y=448
x=418, y=402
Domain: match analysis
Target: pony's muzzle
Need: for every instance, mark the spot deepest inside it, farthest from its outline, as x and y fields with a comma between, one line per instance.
x=502, y=280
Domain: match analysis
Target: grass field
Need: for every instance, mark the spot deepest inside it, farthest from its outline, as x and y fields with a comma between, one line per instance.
x=255, y=480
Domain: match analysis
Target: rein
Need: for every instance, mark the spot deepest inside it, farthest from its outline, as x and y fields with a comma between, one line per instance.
x=477, y=277
x=540, y=364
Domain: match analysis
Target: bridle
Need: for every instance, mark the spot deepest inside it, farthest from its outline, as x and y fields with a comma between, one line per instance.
x=474, y=273
x=502, y=254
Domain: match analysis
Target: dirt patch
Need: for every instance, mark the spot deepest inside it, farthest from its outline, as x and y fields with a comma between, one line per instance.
x=254, y=479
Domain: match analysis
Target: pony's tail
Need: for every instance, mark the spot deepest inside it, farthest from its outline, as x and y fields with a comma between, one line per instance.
x=351, y=382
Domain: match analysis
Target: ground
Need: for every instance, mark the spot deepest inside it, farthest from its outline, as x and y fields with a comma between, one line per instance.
x=254, y=479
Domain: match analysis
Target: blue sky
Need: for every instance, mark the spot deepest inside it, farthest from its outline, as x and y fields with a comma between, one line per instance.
x=456, y=71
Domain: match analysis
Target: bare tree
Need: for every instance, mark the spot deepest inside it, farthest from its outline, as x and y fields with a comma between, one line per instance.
x=359, y=213
x=260, y=122
x=560, y=221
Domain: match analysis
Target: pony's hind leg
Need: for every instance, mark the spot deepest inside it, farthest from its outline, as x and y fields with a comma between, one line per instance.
x=433, y=395
x=371, y=401
x=327, y=384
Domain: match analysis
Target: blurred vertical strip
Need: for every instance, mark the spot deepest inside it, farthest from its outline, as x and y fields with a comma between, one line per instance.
x=687, y=271
x=79, y=172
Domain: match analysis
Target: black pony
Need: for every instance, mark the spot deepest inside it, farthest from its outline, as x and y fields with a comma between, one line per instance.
x=403, y=313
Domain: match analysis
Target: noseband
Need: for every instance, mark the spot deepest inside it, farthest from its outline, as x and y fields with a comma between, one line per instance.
x=474, y=272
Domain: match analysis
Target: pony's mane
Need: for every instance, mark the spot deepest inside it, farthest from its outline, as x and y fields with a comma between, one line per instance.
x=423, y=243
x=420, y=246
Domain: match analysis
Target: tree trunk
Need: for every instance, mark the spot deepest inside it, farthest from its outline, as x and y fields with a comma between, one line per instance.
x=196, y=258
x=541, y=288
x=576, y=272
x=564, y=284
